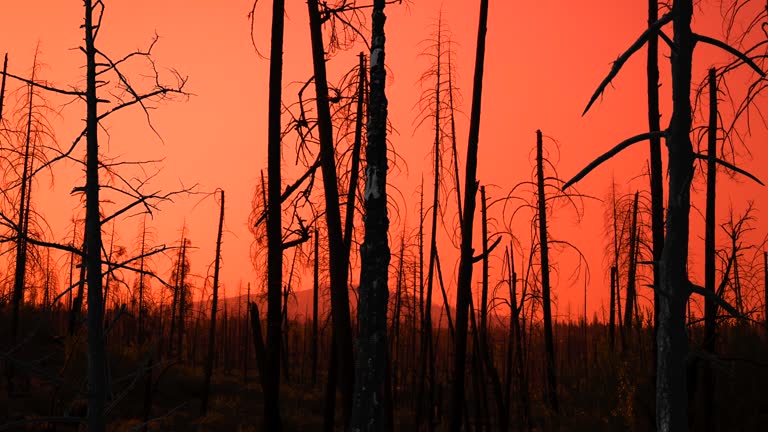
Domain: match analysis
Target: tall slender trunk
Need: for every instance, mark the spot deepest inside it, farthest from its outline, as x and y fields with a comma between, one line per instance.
x=612, y=308
x=631, y=274
x=371, y=374
x=214, y=305
x=20, y=270
x=338, y=265
x=709, y=255
x=464, y=286
x=426, y=376
x=2, y=86
x=271, y=367
x=355, y=166
x=671, y=399
x=140, y=335
x=549, y=345
x=97, y=363
x=765, y=287
x=315, y=292
x=182, y=300
x=656, y=175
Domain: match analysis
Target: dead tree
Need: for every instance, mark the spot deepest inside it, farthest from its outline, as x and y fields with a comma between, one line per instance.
x=270, y=373
x=371, y=366
x=549, y=346
x=631, y=278
x=342, y=327
x=674, y=287
x=464, y=286
x=214, y=305
x=656, y=177
x=709, y=252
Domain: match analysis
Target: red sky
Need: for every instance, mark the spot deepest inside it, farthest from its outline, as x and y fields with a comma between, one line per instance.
x=544, y=59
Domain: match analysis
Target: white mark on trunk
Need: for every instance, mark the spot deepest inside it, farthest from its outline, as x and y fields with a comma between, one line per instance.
x=372, y=184
x=376, y=56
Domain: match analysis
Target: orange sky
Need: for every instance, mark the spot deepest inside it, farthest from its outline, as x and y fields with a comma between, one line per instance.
x=544, y=59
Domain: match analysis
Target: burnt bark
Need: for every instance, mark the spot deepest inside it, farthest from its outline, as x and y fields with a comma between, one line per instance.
x=629, y=304
x=549, y=345
x=338, y=261
x=671, y=337
x=371, y=368
x=97, y=360
x=214, y=305
x=710, y=311
x=464, y=288
x=270, y=367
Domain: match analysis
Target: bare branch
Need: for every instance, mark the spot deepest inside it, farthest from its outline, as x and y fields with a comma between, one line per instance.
x=731, y=167
x=714, y=297
x=613, y=152
x=720, y=44
x=652, y=30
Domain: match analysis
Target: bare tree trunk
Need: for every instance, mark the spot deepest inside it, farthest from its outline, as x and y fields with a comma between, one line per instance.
x=214, y=305
x=2, y=86
x=671, y=401
x=371, y=367
x=258, y=343
x=270, y=372
x=612, y=313
x=426, y=376
x=631, y=273
x=182, y=303
x=657, y=184
x=338, y=266
x=315, y=292
x=709, y=254
x=765, y=287
x=97, y=360
x=464, y=287
x=484, y=291
x=20, y=270
x=140, y=335
x=549, y=346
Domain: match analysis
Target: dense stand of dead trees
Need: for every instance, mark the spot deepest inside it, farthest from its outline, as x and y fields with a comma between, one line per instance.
x=405, y=359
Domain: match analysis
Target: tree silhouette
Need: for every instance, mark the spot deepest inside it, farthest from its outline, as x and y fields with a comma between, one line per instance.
x=674, y=287
x=464, y=288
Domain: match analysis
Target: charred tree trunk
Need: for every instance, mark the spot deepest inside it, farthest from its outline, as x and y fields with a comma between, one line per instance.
x=338, y=265
x=631, y=274
x=182, y=302
x=270, y=369
x=141, y=314
x=371, y=367
x=671, y=399
x=20, y=270
x=2, y=86
x=484, y=291
x=464, y=288
x=612, y=308
x=258, y=343
x=549, y=345
x=315, y=292
x=97, y=360
x=657, y=185
x=214, y=305
x=709, y=254
x=426, y=376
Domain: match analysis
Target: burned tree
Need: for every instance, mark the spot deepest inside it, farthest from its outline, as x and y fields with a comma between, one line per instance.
x=674, y=287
